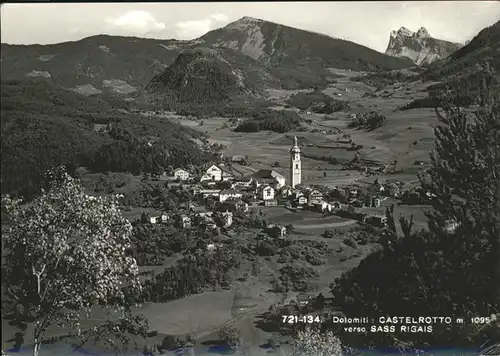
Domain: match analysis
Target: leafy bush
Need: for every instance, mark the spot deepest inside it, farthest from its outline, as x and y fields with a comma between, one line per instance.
x=350, y=242
x=230, y=335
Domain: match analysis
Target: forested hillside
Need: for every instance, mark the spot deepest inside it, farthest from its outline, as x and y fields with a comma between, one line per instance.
x=43, y=126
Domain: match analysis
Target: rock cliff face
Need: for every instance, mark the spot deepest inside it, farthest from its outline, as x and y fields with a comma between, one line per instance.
x=419, y=46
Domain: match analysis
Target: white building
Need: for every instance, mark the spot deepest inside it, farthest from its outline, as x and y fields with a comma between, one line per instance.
x=229, y=194
x=266, y=192
x=295, y=164
x=213, y=173
x=181, y=174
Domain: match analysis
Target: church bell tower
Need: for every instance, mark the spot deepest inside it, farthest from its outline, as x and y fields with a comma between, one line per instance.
x=295, y=164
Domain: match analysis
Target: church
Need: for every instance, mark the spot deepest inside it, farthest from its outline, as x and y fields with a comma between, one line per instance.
x=295, y=164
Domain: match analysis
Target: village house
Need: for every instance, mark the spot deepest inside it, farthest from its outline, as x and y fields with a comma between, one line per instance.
x=204, y=216
x=266, y=193
x=213, y=173
x=351, y=191
x=184, y=221
x=303, y=299
x=234, y=205
x=208, y=224
x=242, y=182
x=376, y=220
x=269, y=177
x=227, y=218
x=211, y=247
x=336, y=205
x=181, y=174
x=227, y=175
x=210, y=193
x=321, y=206
x=154, y=219
x=214, y=246
x=229, y=194
x=372, y=202
x=286, y=191
x=301, y=200
x=391, y=189
x=314, y=196
x=275, y=230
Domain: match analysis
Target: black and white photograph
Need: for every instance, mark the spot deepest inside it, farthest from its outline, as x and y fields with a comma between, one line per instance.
x=250, y=178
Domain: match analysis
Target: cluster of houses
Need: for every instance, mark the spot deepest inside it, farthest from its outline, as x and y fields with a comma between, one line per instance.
x=223, y=193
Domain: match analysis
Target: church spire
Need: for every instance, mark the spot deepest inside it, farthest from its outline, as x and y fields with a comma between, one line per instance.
x=295, y=147
x=295, y=164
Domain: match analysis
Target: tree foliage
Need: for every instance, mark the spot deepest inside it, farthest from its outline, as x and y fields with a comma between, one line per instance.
x=270, y=120
x=44, y=126
x=311, y=342
x=192, y=275
x=231, y=336
x=367, y=120
x=66, y=253
x=317, y=102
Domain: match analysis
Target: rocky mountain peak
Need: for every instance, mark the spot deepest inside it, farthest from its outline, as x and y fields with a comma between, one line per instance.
x=419, y=46
x=422, y=33
x=402, y=32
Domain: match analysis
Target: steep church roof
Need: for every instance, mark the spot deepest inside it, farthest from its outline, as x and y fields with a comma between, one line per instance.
x=267, y=174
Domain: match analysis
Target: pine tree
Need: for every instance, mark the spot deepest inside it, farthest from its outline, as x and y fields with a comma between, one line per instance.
x=465, y=178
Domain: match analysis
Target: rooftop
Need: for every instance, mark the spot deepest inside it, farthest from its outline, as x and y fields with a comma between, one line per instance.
x=267, y=173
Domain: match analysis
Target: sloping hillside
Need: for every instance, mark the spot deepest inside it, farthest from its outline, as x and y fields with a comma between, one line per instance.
x=483, y=48
x=279, y=45
x=43, y=125
x=93, y=64
x=206, y=75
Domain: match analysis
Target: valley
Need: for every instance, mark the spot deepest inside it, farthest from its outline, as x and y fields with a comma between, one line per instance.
x=260, y=179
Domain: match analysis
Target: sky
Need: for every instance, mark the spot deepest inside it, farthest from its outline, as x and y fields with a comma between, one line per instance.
x=366, y=23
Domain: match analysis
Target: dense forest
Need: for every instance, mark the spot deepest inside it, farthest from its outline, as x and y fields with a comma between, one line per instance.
x=43, y=126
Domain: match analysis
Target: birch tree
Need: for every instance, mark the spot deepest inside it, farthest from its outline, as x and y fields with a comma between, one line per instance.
x=65, y=254
x=310, y=342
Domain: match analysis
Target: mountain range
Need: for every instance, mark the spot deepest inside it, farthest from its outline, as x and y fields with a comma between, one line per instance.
x=242, y=59
x=419, y=46
x=287, y=57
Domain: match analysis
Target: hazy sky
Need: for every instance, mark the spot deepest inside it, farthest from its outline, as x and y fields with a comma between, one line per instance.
x=367, y=23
